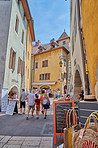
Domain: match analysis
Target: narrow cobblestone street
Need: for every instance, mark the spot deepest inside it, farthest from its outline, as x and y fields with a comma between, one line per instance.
x=16, y=131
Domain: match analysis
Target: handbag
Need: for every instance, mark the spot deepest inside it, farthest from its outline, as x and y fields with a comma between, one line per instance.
x=86, y=137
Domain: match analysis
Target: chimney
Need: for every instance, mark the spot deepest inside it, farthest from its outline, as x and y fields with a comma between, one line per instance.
x=38, y=43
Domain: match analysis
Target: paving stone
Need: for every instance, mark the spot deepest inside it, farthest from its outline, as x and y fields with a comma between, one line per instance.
x=15, y=142
x=31, y=143
x=5, y=139
x=18, y=138
x=1, y=137
x=45, y=146
x=11, y=146
x=33, y=138
x=1, y=144
x=47, y=138
x=29, y=146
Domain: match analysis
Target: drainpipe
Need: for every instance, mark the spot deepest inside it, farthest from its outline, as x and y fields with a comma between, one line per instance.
x=33, y=70
x=82, y=50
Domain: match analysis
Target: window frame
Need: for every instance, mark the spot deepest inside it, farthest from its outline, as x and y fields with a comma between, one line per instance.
x=36, y=65
x=22, y=38
x=17, y=24
x=45, y=63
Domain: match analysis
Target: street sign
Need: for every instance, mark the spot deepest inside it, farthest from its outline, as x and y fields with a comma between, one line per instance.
x=59, y=108
x=10, y=107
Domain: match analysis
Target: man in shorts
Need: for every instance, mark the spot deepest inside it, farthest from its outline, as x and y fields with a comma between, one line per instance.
x=22, y=101
x=31, y=103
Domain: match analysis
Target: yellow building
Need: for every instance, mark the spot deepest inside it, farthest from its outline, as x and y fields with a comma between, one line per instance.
x=30, y=38
x=90, y=29
x=47, y=73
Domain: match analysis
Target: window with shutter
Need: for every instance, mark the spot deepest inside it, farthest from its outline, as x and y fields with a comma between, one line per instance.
x=18, y=65
x=48, y=76
x=40, y=76
x=17, y=24
x=22, y=71
x=22, y=39
x=45, y=63
x=11, y=58
x=36, y=65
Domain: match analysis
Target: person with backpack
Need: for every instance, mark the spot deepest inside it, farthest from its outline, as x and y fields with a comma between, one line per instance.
x=46, y=104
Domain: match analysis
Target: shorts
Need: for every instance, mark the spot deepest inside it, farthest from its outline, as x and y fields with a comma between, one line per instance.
x=45, y=106
x=31, y=107
x=38, y=107
x=22, y=104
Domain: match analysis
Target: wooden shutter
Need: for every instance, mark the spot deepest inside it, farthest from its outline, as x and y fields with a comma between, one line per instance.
x=40, y=76
x=48, y=76
x=22, y=70
x=11, y=58
x=18, y=65
x=46, y=63
x=42, y=63
x=14, y=60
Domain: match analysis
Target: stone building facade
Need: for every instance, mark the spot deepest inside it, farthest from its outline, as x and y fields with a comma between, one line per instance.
x=77, y=50
x=47, y=72
x=14, y=15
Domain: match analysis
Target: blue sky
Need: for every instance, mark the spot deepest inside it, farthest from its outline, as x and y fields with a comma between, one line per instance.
x=51, y=17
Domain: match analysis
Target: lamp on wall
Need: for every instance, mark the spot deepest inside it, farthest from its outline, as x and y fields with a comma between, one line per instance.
x=60, y=63
x=62, y=58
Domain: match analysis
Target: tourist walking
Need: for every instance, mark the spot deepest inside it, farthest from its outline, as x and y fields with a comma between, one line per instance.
x=22, y=99
x=37, y=102
x=58, y=93
x=46, y=104
x=54, y=94
x=31, y=103
x=41, y=101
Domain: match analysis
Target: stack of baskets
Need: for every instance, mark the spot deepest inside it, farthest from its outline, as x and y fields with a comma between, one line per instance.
x=88, y=136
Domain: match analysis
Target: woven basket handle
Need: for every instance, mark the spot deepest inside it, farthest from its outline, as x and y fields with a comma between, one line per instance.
x=87, y=121
x=74, y=122
x=67, y=117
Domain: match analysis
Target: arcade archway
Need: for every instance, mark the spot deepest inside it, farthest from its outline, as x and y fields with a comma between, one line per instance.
x=77, y=83
x=45, y=87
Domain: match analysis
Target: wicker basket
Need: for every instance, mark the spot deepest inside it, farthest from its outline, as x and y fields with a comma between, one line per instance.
x=86, y=137
x=89, y=98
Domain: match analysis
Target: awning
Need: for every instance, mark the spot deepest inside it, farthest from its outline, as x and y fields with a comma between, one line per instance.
x=44, y=83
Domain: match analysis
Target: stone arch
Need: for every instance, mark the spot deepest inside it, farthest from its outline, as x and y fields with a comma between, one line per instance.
x=77, y=81
x=45, y=87
x=15, y=89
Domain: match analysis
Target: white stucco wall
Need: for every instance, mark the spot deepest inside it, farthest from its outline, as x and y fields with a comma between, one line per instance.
x=14, y=41
x=77, y=49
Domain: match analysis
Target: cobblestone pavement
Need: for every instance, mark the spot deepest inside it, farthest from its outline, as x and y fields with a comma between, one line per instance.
x=25, y=142
x=17, y=132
